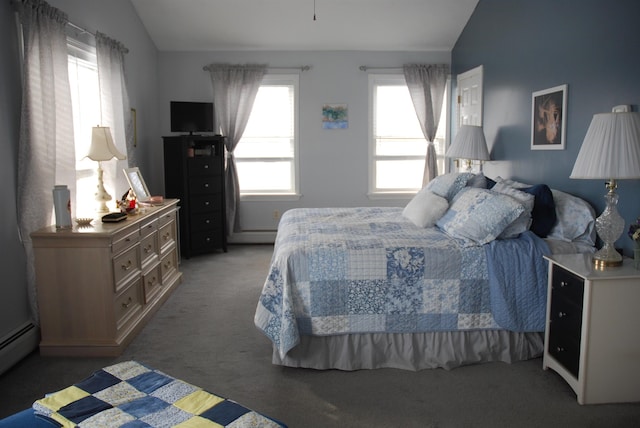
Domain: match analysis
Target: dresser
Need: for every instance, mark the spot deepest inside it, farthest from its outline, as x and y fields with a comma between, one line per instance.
x=98, y=285
x=593, y=320
x=194, y=174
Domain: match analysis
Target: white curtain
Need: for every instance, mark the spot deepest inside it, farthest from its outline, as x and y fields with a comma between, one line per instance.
x=234, y=90
x=115, y=111
x=45, y=157
x=427, y=84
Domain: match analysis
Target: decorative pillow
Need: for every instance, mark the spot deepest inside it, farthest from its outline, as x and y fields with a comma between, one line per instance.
x=490, y=183
x=448, y=185
x=523, y=222
x=478, y=216
x=425, y=208
x=544, y=210
x=512, y=183
x=478, y=180
x=576, y=219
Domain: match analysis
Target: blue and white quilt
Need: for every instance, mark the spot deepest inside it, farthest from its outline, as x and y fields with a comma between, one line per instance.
x=369, y=270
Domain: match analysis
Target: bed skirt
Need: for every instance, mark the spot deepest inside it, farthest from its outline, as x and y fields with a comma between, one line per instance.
x=411, y=351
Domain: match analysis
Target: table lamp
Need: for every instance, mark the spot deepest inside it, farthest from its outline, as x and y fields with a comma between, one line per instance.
x=610, y=151
x=469, y=144
x=102, y=149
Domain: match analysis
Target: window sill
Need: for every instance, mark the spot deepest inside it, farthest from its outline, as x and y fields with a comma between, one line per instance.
x=391, y=195
x=256, y=197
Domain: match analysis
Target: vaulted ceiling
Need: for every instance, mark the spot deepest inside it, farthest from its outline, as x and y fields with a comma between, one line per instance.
x=352, y=25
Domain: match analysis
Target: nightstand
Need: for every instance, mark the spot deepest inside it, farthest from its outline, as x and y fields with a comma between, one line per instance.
x=592, y=336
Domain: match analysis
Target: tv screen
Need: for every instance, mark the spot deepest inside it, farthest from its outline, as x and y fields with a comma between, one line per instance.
x=187, y=116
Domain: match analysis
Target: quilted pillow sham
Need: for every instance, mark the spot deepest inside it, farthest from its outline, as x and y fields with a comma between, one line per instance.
x=425, y=208
x=478, y=216
x=448, y=185
x=523, y=222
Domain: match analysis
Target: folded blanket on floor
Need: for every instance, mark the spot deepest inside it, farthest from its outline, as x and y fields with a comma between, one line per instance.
x=132, y=395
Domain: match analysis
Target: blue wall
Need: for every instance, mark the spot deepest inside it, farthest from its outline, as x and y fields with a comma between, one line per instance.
x=527, y=46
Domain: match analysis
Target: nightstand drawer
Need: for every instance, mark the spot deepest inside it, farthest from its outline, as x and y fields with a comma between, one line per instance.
x=566, y=352
x=566, y=284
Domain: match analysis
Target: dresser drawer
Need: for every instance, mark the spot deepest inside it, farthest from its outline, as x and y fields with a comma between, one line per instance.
x=168, y=265
x=166, y=218
x=207, y=240
x=128, y=305
x=204, y=165
x=125, y=266
x=166, y=236
x=148, y=228
x=149, y=249
x=207, y=221
x=205, y=203
x=205, y=185
x=152, y=282
x=125, y=239
x=566, y=351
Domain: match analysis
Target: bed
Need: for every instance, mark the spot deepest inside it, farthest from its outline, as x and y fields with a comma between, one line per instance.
x=454, y=278
x=131, y=394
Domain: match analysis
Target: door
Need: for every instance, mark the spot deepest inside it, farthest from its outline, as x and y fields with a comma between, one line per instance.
x=470, y=97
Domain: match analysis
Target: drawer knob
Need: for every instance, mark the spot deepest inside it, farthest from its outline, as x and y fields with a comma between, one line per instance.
x=152, y=281
x=562, y=314
x=127, y=265
x=128, y=303
x=207, y=221
x=206, y=167
x=148, y=249
x=206, y=204
x=563, y=284
x=206, y=185
x=559, y=349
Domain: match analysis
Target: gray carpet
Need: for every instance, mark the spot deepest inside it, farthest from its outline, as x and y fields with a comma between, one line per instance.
x=204, y=334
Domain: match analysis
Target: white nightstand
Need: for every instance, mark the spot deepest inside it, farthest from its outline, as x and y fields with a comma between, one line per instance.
x=592, y=337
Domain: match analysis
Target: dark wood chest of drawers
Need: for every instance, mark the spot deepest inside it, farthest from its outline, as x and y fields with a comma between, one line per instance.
x=194, y=169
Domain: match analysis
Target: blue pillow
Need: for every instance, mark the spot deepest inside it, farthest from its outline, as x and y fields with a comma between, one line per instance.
x=544, y=209
x=490, y=183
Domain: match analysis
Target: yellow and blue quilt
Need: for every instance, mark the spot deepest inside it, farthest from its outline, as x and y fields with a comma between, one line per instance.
x=132, y=395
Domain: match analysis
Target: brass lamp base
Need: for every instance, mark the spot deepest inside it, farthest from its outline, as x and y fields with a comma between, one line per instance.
x=602, y=264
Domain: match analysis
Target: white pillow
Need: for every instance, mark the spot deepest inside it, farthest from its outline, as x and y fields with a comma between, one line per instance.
x=576, y=219
x=523, y=222
x=425, y=208
x=478, y=216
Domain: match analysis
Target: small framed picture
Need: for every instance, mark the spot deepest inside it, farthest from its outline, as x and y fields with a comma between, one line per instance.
x=137, y=184
x=335, y=116
x=548, y=113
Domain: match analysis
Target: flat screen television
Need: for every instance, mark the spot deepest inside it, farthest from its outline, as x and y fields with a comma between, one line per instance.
x=189, y=116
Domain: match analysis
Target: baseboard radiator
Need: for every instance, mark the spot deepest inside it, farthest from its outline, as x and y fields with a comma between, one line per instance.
x=18, y=344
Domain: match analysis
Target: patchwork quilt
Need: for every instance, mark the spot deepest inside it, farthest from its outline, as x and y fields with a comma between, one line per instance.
x=369, y=270
x=132, y=395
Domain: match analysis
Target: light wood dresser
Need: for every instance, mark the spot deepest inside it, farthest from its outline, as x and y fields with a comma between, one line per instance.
x=98, y=285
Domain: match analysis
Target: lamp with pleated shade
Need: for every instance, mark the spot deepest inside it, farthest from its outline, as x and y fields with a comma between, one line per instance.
x=102, y=149
x=610, y=151
x=469, y=144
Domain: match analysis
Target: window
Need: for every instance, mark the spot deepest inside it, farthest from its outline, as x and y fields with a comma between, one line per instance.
x=266, y=156
x=398, y=147
x=85, y=100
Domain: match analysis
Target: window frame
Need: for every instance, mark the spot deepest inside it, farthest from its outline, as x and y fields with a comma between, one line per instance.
x=273, y=79
x=395, y=79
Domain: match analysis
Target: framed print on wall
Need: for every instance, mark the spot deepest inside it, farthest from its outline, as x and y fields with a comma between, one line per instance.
x=548, y=113
x=335, y=116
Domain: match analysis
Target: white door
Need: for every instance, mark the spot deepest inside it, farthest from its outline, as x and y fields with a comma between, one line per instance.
x=470, y=97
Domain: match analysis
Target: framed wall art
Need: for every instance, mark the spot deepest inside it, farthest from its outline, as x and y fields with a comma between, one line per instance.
x=548, y=113
x=335, y=116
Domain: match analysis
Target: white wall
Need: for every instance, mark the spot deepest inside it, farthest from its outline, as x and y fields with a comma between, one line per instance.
x=333, y=163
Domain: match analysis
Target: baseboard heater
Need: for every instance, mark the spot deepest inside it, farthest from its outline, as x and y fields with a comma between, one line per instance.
x=18, y=344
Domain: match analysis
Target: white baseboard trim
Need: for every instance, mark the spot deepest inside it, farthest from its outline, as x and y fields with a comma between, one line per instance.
x=253, y=237
x=18, y=344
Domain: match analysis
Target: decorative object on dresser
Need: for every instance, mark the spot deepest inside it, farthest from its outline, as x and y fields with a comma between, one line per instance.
x=592, y=322
x=610, y=151
x=194, y=173
x=469, y=145
x=97, y=286
x=102, y=149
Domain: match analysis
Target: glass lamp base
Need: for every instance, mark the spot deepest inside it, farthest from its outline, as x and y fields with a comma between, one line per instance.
x=607, y=257
x=609, y=227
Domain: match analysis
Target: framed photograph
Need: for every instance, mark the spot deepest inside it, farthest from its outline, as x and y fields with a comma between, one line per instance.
x=137, y=184
x=548, y=124
x=335, y=116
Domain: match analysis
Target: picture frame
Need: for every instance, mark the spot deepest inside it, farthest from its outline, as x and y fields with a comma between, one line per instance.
x=548, y=118
x=137, y=184
x=335, y=116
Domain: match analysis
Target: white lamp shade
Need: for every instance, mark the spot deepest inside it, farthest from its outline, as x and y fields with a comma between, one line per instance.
x=611, y=148
x=102, y=146
x=469, y=144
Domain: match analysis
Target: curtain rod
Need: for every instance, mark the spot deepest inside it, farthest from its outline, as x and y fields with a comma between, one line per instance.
x=301, y=68
x=79, y=28
x=366, y=68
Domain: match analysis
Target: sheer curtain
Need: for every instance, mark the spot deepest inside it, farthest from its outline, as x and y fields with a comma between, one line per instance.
x=115, y=111
x=427, y=84
x=234, y=91
x=45, y=157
